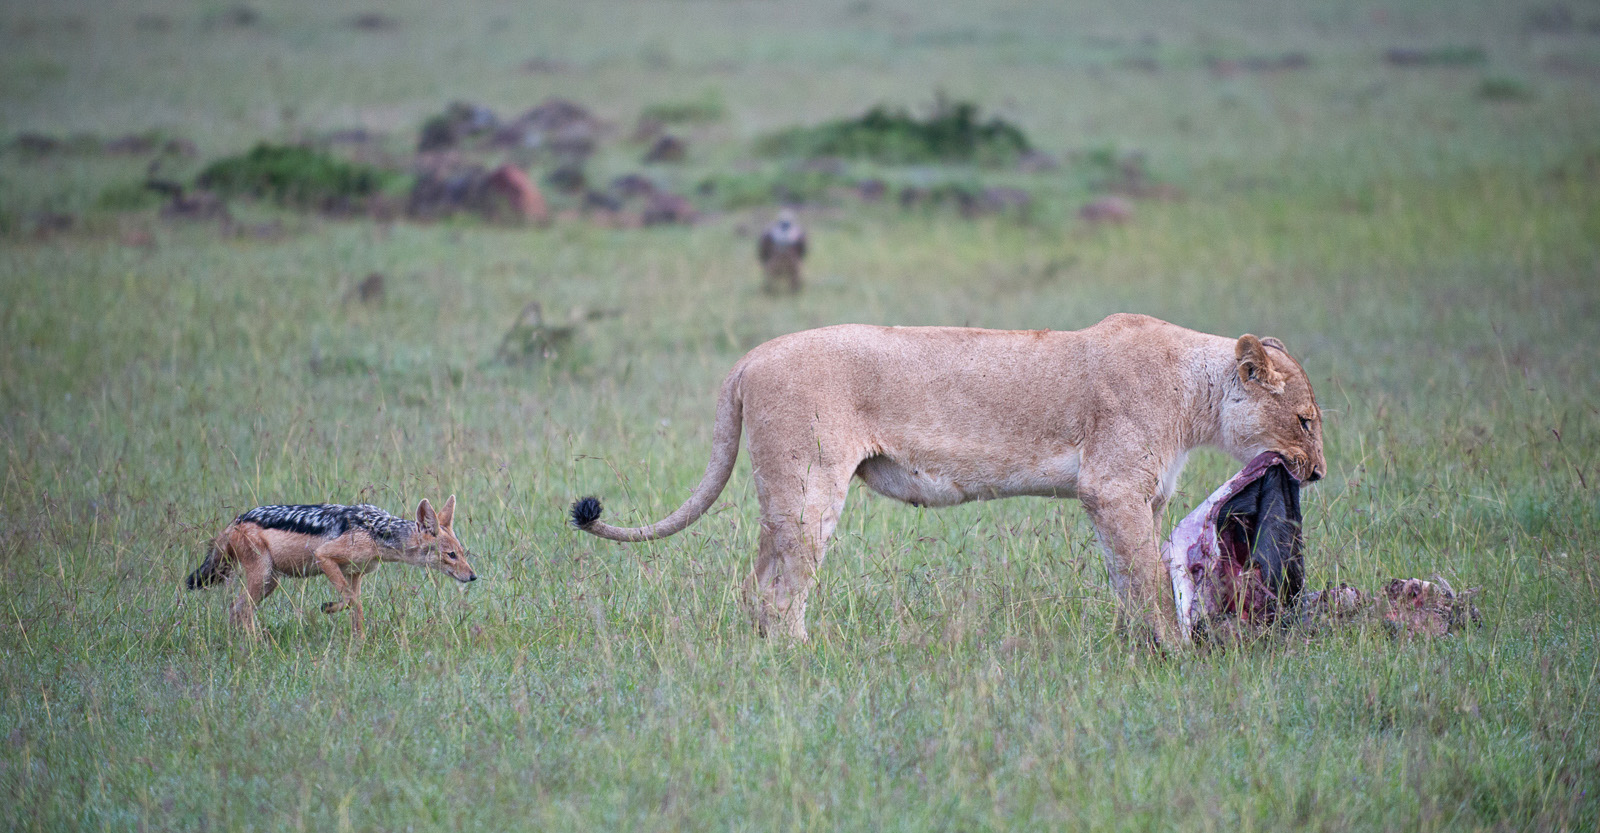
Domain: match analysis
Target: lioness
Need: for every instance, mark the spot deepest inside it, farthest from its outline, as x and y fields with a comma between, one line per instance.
x=937, y=416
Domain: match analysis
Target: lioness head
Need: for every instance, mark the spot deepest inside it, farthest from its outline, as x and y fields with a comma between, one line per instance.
x=1272, y=408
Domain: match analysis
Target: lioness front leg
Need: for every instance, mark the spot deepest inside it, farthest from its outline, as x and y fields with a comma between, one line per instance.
x=1124, y=522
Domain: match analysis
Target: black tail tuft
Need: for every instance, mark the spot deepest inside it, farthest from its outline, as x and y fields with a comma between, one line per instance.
x=585, y=511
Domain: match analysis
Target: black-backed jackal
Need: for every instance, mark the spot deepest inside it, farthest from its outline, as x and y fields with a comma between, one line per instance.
x=341, y=542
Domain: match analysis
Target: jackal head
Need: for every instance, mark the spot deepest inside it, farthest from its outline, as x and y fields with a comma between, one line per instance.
x=435, y=545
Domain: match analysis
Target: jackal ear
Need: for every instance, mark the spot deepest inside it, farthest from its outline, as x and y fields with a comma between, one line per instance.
x=1255, y=366
x=448, y=513
x=426, y=518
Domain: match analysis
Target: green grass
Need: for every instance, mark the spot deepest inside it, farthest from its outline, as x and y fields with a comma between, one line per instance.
x=1430, y=255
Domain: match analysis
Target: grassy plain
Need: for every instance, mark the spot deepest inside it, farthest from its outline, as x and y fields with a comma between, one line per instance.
x=1429, y=253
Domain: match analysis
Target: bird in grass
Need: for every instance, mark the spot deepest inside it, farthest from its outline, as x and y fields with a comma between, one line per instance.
x=783, y=246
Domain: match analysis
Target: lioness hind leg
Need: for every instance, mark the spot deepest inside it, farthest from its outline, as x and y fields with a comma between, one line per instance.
x=795, y=530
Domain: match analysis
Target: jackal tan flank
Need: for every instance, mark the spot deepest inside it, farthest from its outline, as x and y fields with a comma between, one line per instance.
x=936, y=416
x=341, y=542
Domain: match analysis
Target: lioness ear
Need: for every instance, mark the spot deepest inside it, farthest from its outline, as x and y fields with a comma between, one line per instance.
x=1255, y=366
x=426, y=518
x=448, y=513
x=1269, y=341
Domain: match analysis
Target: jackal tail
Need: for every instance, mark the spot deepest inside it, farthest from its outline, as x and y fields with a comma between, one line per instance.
x=585, y=512
x=214, y=570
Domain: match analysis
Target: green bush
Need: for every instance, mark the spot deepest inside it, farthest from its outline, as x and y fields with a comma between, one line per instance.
x=295, y=176
x=952, y=134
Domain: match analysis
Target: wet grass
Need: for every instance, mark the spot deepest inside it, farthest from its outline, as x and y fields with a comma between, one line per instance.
x=1435, y=273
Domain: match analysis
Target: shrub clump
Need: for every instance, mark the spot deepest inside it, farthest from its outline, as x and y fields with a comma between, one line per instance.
x=952, y=134
x=295, y=176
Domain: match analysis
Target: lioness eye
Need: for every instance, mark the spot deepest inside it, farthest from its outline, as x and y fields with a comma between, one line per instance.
x=1305, y=425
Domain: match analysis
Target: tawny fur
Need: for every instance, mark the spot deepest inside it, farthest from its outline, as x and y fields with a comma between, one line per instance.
x=264, y=555
x=936, y=416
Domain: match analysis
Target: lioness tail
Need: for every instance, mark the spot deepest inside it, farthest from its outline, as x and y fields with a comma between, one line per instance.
x=724, y=451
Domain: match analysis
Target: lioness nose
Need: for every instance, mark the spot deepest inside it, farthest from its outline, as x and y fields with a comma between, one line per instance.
x=1316, y=474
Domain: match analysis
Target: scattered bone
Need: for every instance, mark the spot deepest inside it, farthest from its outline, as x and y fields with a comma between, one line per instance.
x=1406, y=607
x=1413, y=607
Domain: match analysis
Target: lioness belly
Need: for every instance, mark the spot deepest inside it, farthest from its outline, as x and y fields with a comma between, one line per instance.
x=949, y=483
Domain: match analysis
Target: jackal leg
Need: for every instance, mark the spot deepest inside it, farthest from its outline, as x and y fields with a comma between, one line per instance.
x=248, y=548
x=355, y=588
x=331, y=558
